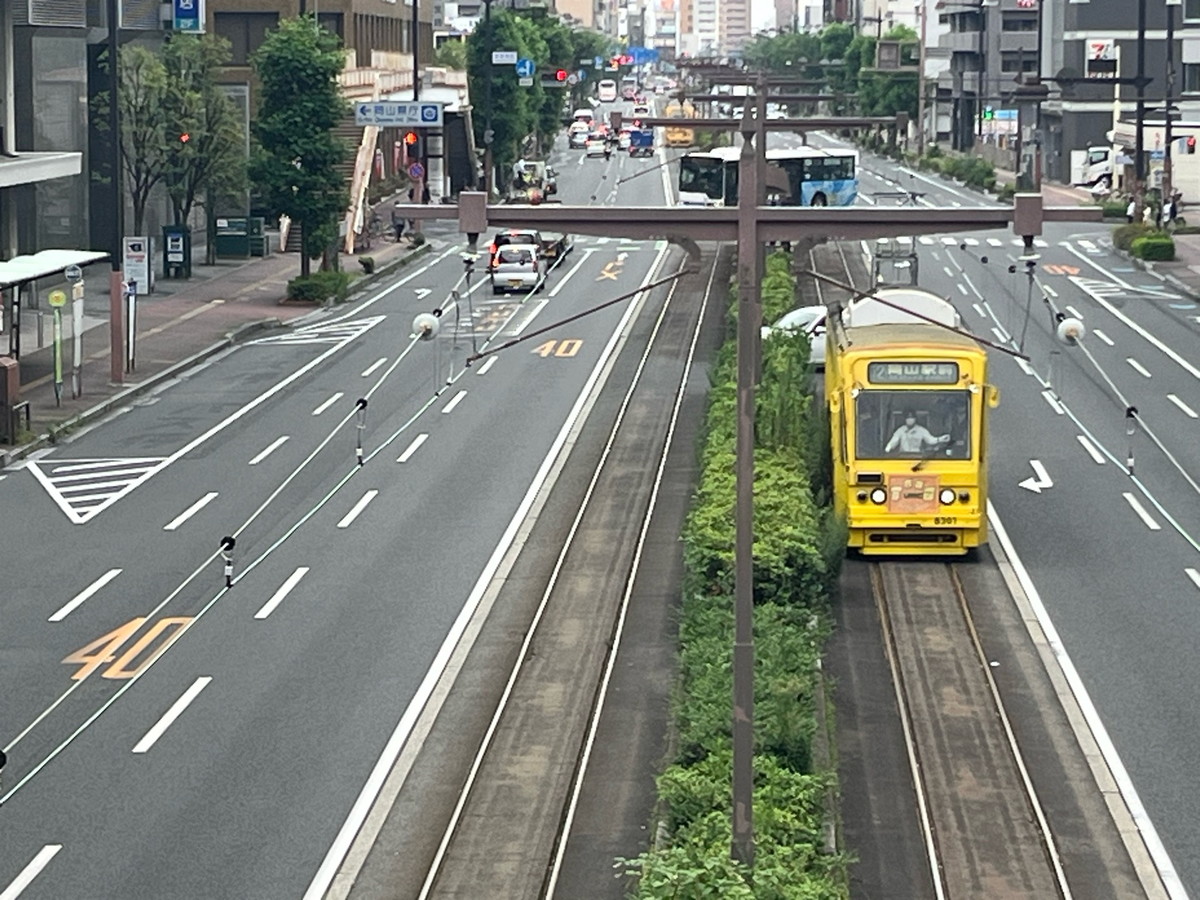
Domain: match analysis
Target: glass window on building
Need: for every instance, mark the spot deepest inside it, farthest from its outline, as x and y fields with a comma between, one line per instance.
x=1191, y=78
x=1018, y=22
x=1191, y=10
x=1018, y=62
x=245, y=32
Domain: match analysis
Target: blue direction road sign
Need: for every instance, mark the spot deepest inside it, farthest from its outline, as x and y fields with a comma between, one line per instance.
x=525, y=67
x=399, y=114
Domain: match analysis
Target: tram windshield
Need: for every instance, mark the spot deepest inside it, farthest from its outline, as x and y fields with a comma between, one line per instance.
x=913, y=424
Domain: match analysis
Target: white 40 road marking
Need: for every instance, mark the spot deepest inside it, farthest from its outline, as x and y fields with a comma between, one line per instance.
x=1040, y=480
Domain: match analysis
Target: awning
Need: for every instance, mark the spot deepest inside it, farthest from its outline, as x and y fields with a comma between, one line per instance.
x=23, y=269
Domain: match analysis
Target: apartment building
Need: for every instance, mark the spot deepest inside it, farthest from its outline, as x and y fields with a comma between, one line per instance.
x=733, y=24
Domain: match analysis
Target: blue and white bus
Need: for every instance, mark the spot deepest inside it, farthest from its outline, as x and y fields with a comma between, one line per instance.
x=804, y=176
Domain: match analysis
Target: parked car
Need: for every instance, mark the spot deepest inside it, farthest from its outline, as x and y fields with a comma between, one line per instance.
x=517, y=267
x=807, y=319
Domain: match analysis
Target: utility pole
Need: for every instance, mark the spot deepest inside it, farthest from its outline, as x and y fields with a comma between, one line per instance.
x=116, y=295
x=1168, y=185
x=1139, y=160
x=488, y=134
x=921, y=83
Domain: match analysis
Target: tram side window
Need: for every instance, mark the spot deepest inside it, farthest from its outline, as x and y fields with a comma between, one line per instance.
x=908, y=424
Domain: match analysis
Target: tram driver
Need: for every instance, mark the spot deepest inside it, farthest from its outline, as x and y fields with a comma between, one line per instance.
x=912, y=437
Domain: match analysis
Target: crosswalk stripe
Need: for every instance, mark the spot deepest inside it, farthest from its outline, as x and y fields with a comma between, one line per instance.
x=333, y=333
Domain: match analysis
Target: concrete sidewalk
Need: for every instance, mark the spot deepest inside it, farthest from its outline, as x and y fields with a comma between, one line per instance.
x=1055, y=194
x=180, y=324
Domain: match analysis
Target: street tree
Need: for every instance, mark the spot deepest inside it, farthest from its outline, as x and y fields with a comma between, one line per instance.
x=295, y=162
x=452, y=55
x=510, y=110
x=205, y=148
x=142, y=94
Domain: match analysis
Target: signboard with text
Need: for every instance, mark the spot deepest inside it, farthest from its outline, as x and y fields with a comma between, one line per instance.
x=188, y=16
x=393, y=114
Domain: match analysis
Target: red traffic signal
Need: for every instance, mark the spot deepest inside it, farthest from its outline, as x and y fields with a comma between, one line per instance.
x=560, y=75
x=184, y=138
x=1191, y=143
x=410, y=137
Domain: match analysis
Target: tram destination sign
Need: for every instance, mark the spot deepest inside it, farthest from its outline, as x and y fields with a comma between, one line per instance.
x=912, y=372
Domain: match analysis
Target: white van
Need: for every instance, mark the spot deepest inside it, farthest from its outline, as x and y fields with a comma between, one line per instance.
x=577, y=134
x=583, y=115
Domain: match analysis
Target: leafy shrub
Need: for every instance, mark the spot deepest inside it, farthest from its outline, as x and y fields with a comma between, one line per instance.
x=1113, y=209
x=1123, y=236
x=320, y=287
x=367, y=263
x=1005, y=192
x=417, y=238
x=1159, y=247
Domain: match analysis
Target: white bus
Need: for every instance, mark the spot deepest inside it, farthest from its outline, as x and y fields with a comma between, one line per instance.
x=606, y=91
x=803, y=176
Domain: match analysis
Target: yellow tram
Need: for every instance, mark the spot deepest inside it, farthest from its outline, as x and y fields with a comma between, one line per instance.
x=908, y=403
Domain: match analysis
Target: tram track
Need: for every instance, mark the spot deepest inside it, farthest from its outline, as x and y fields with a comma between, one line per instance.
x=983, y=825
x=495, y=797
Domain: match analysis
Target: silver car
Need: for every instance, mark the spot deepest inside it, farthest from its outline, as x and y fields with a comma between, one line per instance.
x=807, y=319
x=517, y=267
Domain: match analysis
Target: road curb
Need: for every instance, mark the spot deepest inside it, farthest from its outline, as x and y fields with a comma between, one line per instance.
x=50, y=438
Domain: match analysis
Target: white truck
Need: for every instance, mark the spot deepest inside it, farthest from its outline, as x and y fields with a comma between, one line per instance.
x=1104, y=167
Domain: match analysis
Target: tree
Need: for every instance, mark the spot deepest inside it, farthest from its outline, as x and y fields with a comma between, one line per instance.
x=205, y=142
x=511, y=113
x=296, y=159
x=143, y=89
x=452, y=55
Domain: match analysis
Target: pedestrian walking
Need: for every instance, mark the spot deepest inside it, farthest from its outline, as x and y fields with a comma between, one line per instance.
x=397, y=223
x=1130, y=209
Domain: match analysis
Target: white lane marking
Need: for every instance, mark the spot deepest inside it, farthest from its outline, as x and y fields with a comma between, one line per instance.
x=30, y=872
x=946, y=269
x=1137, y=366
x=483, y=370
x=1053, y=293
x=373, y=366
x=284, y=590
x=1194, y=575
x=414, y=446
x=1188, y=411
x=558, y=287
x=357, y=509
x=1104, y=337
x=328, y=403
x=1038, y=242
x=961, y=288
x=1134, y=326
x=546, y=475
x=999, y=333
x=2, y=477
x=1049, y=397
x=866, y=198
x=190, y=511
x=1091, y=449
x=172, y=714
x=1025, y=367
x=1141, y=511
x=995, y=242
x=271, y=448
x=1073, y=311
x=971, y=242
x=86, y=594
x=454, y=401
x=949, y=241
x=1095, y=725
x=979, y=309
x=925, y=239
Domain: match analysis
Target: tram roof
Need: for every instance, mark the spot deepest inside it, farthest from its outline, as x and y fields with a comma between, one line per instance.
x=915, y=336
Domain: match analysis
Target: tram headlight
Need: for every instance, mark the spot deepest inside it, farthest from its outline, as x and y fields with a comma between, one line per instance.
x=879, y=495
x=946, y=496
x=862, y=496
x=964, y=496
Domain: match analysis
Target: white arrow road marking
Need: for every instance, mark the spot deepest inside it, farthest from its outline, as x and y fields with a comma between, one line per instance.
x=1042, y=479
x=422, y=293
x=332, y=333
x=1194, y=575
x=30, y=872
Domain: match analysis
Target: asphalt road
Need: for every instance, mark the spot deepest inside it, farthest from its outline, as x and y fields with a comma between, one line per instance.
x=230, y=766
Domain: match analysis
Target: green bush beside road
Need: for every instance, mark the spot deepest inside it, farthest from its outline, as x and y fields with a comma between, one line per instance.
x=797, y=553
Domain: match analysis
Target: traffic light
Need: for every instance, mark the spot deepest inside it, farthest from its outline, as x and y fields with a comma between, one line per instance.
x=560, y=75
x=1191, y=143
x=989, y=113
x=184, y=138
x=412, y=145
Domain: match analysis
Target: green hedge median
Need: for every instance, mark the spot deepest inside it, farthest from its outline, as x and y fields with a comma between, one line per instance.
x=797, y=553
